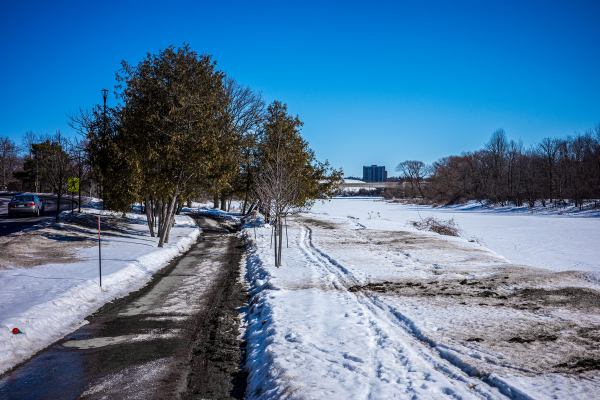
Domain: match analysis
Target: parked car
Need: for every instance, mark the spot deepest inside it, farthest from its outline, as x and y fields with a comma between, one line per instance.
x=26, y=204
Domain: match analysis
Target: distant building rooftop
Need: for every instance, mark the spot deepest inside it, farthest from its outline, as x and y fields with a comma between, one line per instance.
x=374, y=173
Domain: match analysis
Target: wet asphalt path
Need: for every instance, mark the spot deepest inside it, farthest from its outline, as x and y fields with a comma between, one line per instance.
x=141, y=346
x=8, y=226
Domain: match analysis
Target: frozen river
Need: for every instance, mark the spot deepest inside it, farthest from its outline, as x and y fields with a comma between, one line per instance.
x=555, y=242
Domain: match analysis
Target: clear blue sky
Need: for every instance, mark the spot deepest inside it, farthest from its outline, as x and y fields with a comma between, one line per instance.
x=374, y=82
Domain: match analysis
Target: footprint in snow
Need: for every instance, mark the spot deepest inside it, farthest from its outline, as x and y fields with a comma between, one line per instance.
x=353, y=358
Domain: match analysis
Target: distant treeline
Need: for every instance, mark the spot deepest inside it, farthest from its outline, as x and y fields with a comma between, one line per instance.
x=554, y=170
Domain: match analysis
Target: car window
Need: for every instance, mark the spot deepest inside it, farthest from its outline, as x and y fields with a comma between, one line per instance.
x=22, y=198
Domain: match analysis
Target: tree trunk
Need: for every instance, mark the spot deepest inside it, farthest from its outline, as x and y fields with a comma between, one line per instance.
x=148, y=210
x=276, y=252
x=57, y=206
x=280, y=240
x=160, y=214
x=245, y=204
x=216, y=201
x=170, y=214
x=223, y=203
x=247, y=189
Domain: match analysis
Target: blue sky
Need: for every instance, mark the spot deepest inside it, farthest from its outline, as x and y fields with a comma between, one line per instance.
x=374, y=82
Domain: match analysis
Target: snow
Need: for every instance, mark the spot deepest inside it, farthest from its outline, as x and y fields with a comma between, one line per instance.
x=311, y=334
x=49, y=301
x=353, y=181
x=555, y=242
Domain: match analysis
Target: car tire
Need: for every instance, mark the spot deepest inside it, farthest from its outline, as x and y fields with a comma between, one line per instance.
x=43, y=210
x=37, y=212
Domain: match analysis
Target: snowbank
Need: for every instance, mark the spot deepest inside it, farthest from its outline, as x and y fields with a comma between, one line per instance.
x=308, y=336
x=314, y=332
x=50, y=301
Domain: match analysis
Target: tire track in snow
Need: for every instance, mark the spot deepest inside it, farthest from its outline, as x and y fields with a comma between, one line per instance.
x=388, y=324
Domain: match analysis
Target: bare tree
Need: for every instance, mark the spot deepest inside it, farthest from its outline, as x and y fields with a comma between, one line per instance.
x=245, y=110
x=277, y=188
x=78, y=154
x=497, y=149
x=10, y=161
x=56, y=164
x=415, y=173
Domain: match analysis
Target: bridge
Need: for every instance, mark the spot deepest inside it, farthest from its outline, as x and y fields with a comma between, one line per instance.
x=373, y=185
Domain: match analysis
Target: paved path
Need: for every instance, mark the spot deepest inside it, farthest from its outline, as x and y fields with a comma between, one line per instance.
x=148, y=344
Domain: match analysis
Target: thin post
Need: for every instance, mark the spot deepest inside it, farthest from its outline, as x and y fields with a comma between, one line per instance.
x=36, y=171
x=280, y=241
x=79, y=193
x=99, y=253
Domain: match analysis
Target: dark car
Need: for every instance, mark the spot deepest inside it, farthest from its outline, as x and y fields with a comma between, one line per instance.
x=26, y=204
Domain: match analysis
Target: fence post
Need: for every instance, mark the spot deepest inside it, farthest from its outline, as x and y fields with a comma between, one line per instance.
x=99, y=253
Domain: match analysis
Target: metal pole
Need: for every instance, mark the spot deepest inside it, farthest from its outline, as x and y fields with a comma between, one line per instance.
x=104, y=94
x=36, y=171
x=99, y=254
x=79, y=200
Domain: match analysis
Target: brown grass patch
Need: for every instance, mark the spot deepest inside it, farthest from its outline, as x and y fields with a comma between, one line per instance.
x=431, y=224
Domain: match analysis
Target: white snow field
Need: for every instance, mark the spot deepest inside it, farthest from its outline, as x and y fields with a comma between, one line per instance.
x=556, y=242
x=366, y=307
x=47, y=302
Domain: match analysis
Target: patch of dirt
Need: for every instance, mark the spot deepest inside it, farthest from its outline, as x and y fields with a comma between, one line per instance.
x=569, y=297
x=44, y=246
x=318, y=223
x=50, y=242
x=539, y=320
x=586, y=364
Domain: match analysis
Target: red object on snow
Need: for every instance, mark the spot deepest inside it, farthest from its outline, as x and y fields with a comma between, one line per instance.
x=16, y=330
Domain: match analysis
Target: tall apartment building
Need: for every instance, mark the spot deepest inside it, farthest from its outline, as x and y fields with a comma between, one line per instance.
x=374, y=173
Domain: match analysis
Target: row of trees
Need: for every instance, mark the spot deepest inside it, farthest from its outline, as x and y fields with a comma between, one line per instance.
x=45, y=160
x=554, y=170
x=183, y=128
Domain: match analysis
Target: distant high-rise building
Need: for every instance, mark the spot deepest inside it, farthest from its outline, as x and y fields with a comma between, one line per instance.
x=374, y=173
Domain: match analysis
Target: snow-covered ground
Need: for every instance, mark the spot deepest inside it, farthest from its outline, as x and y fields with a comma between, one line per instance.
x=48, y=301
x=366, y=307
x=557, y=242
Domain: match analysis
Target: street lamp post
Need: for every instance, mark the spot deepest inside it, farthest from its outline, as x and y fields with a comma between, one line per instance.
x=104, y=94
x=102, y=142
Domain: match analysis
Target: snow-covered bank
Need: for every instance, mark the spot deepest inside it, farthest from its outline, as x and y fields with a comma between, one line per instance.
x=554, y=242
x=49, y=301
x=370, y=308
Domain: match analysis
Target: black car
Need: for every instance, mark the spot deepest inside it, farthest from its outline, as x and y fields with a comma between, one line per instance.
x=26, y=204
